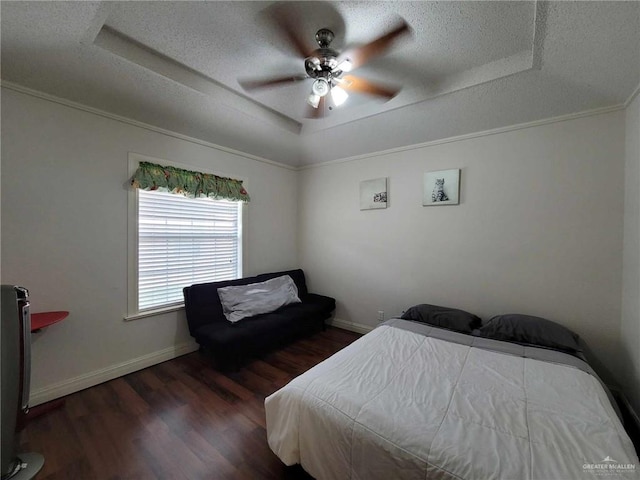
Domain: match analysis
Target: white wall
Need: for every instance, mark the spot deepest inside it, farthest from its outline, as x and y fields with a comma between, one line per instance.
x=64, y=234
x=538, y=230
x=630, y=328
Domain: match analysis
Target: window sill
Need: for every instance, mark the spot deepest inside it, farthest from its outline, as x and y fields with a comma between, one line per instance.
x=153, y=313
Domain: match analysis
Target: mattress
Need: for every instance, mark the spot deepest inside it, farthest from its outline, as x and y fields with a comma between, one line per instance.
x=409, y=401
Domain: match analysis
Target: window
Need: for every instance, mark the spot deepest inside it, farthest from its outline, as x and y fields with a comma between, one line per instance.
x=182, y=241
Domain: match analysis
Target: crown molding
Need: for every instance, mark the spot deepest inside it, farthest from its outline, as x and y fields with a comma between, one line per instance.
x=633, y=95
x=469, y=136
x=117, y=43
x=458, y=138
x=118, y=118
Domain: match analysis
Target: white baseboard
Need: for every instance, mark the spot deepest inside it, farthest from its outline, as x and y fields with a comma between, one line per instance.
x=90, y=379
x=72, y=385
x=351, y=326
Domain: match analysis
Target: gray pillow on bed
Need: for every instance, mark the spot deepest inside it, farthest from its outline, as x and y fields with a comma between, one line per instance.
x=535, y=331
x=444, y=317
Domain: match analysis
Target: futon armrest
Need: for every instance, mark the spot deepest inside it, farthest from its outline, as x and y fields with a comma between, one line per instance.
x=326, y=304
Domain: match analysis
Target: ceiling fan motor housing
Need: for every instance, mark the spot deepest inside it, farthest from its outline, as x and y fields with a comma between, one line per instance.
x=324, y=37
x=322, y=62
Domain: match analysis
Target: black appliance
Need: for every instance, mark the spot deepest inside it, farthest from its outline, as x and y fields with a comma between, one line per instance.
x=15, y=355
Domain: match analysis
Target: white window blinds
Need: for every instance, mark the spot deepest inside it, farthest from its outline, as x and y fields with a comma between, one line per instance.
x=182, y=241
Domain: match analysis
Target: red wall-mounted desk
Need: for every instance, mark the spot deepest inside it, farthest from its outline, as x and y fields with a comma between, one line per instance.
x=44, y=319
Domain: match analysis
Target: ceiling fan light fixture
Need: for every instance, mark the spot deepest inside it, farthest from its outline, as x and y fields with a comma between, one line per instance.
x=313, y=100
x=339, y=95
x=312, y=64
x=320, y=87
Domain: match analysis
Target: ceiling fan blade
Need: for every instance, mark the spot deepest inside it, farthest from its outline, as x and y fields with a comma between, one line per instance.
x=358, y=56
x=288, y=23
x=317, y=112
x=360, y=85
x=271, y=82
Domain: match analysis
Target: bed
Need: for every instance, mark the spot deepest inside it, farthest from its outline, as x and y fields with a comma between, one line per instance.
x=411, y=400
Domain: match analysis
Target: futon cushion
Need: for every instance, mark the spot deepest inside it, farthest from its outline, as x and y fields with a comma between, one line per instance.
x=312, y=305
x=324, y=304
x=242, y=301
x=255, y=334
x=216, y=334
x=443, y=317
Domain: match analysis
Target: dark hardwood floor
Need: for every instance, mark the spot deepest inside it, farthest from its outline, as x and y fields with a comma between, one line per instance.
x=181, y=419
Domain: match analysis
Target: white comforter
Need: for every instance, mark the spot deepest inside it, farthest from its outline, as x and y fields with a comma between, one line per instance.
x=399, y=405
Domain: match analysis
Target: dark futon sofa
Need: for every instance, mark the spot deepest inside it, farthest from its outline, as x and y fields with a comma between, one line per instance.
x=231, y=343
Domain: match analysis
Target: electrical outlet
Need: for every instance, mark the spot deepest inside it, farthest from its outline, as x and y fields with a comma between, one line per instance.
x=381, y=315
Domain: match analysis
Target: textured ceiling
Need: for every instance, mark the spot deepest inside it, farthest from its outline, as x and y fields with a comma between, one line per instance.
x=466, y=67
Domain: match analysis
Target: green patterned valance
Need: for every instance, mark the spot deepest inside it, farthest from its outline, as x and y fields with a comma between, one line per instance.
x=150, y=176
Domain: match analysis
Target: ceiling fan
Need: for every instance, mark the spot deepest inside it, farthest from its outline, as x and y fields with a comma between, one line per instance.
x=328, y=68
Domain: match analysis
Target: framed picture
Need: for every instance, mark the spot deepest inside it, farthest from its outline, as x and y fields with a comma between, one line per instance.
x=441, y=188
x=373, y=194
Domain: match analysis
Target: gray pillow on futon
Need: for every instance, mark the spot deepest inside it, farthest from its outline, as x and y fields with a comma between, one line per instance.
x=242, y=301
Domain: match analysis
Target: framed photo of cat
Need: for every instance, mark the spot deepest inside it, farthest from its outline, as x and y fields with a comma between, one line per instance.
x=373, y=194
x=441, y=188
